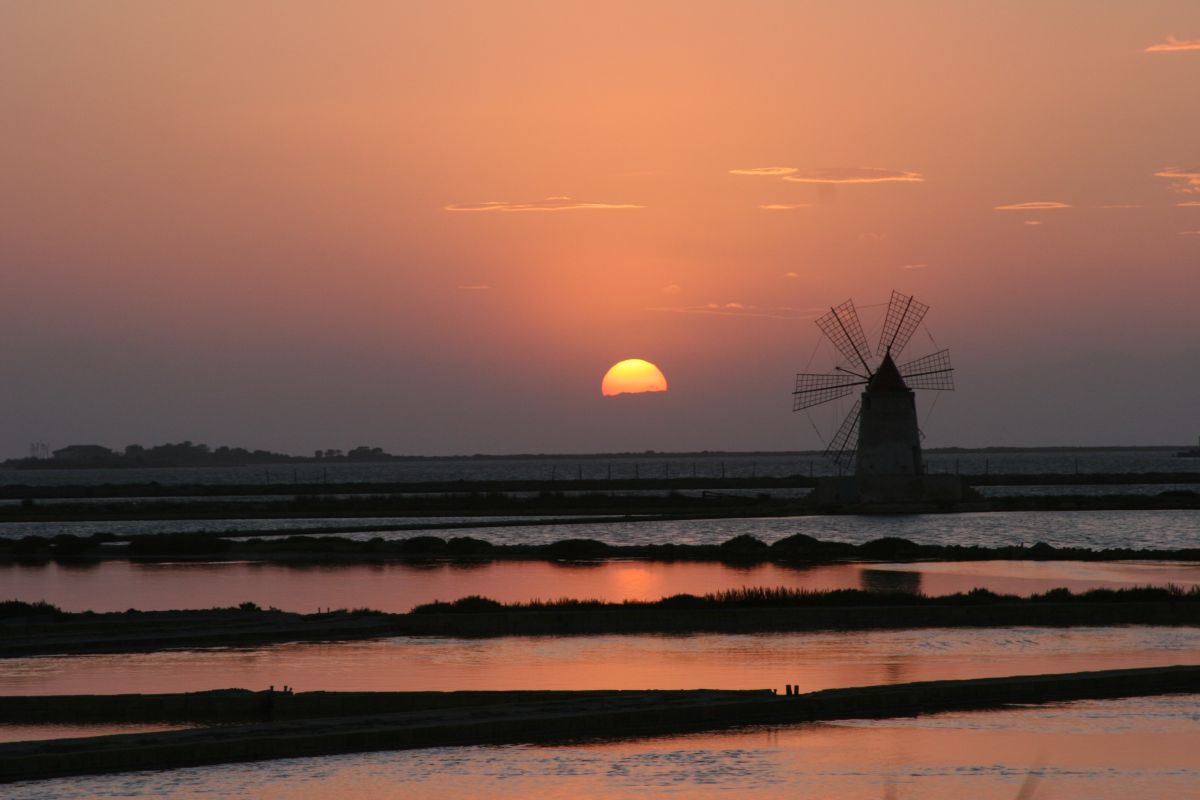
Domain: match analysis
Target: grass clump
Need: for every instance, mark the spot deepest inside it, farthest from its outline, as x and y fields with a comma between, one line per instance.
x=20, y=608
x=787, y=597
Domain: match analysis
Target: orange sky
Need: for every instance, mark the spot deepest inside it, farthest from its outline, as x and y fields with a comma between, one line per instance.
x=298, y=225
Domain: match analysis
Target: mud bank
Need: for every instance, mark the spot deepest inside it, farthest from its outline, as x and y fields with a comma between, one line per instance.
x=496, y=718
x=47, y=631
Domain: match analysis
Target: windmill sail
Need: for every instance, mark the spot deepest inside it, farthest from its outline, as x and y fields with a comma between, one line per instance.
x=929, y=372
x=842, y=448
x=842, y=326
x=904, y=315
x=814, y=389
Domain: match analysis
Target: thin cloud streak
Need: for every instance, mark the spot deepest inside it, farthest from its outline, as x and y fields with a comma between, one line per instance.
x=547, y=204
x=1184, y=180
x=1035, y=205
x=727, y=310
x=1173, y=45
x=1189, y=204
x=914, y=266
x=1189, y=233
x=844, y=175
x=833, y=175
x=765, y=171
x=784, y=206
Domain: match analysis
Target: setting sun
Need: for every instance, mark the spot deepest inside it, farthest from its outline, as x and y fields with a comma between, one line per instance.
x=632, y=376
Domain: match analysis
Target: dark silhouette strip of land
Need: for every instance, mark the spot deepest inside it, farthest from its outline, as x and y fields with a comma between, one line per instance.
x=18, y=491
x=798, y=549
x=314, y=724
x=28, y=629
x=663, y=496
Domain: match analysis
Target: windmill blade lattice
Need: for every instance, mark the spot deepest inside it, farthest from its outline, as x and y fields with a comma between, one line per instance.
x=929, y=372
x=844, y=443
x=842, y=326
x=813, y=389
x=904, y=315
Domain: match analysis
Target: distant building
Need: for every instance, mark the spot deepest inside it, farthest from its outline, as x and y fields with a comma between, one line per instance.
x=83, y=452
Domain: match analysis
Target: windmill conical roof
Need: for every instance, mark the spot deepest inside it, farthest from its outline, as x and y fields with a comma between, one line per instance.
x=887, y=378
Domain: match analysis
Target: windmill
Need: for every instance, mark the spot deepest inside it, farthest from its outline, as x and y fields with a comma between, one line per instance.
x=879, y=436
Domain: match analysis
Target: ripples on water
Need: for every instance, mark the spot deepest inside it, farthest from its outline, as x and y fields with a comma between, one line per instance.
x=1096, y=529
x=1076, y=751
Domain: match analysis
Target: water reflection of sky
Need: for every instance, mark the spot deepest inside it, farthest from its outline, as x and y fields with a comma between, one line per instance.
x=815, y=660
x=118, y=585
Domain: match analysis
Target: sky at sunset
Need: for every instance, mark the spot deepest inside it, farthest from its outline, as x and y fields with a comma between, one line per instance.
x=433, y=226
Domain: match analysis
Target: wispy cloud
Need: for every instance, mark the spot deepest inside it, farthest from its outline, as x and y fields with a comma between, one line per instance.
x=921, y=265
x=767, y=171
x=1035, y=205
x=803, y=313
x=1185, y=180
x=833, y=175
x=474, y=287
x=548, y=204
x=790, y=275
x=784, y=206
x=731, y=310
x=1189, y=233
x=839, y=175
x=1033, y=222
x=1189, y=204
x=1173, y=45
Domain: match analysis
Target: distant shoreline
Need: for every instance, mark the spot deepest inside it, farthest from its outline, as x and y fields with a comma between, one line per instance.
x=283, y=459
x=562, y=501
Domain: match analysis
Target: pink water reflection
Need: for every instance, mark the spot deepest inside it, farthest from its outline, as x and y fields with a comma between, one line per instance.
x=715, y=661
x=118, y=585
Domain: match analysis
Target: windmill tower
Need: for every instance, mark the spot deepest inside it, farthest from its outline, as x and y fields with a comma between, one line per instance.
x=880, y=436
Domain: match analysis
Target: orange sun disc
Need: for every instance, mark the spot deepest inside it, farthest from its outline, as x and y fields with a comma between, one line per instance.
x=632, y=376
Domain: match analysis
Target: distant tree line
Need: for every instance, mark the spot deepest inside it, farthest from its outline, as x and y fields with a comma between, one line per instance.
x=184, y=454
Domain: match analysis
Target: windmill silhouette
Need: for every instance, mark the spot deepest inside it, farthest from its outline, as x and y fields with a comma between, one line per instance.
x=880, y=436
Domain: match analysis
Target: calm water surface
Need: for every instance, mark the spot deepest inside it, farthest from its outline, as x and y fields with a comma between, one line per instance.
x=1089, y=750
x=119, y=585
x=700, y=661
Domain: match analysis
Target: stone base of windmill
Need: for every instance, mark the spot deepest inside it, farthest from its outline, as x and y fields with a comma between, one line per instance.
x=888, y=492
